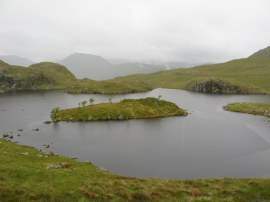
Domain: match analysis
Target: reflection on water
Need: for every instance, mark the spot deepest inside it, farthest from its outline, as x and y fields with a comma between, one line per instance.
x=210, y=142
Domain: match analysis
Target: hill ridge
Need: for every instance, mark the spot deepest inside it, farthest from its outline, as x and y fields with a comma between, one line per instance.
x=263, y=53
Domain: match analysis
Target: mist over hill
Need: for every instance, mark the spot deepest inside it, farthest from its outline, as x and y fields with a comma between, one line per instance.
x=95, y=67
x=164, y=65
x=86, y=65
x=49, y=75
x=246, y=75
x=16, y=60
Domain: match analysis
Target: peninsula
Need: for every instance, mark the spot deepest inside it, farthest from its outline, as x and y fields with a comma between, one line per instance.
x=262, y=109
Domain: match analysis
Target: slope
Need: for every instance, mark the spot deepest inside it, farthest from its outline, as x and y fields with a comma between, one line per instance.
x=48, y=75
x=247, y=75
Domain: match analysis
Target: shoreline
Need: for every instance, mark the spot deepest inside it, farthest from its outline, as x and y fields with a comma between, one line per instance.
x=85, y=181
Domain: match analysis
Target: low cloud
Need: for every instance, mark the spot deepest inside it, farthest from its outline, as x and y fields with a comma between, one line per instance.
x=142, y=30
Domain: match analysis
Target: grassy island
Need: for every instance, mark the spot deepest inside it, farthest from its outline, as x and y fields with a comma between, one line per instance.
x=27, y=174
x=262, y=109
x=126, y=109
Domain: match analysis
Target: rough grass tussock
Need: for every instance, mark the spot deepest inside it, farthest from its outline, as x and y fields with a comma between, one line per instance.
x=27, y=174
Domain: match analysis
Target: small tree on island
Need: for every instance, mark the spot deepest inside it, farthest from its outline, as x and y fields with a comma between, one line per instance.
x=91, y=100
x=84, y=103
x=54, y=113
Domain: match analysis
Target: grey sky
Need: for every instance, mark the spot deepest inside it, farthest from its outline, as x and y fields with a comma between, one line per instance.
x=183, y=30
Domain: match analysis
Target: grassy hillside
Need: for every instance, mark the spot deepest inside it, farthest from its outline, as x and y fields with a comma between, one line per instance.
x=3, y=66
x=45, y=75
x=87, y=86
x=27, y=174
x=248, y=75
x=126, y=109
x=48, y=75
x=262, y=109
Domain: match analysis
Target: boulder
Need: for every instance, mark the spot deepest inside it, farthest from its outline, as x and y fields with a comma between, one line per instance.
x=47, y=122
x=5, y=135
x=60, y=165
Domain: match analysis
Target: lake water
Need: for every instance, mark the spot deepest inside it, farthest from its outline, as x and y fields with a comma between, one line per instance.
x=210, y=142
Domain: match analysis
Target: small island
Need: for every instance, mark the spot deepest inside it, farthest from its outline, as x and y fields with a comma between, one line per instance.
x=262, y=109
x=126, y=109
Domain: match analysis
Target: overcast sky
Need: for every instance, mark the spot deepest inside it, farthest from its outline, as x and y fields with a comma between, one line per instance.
x=143, y=30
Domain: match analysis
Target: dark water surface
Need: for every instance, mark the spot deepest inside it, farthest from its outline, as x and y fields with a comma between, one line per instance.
x=210, y=142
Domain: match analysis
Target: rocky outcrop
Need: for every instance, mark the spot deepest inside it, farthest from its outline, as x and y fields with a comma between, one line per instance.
x=30, y=82
x=217, y=86
x=6, y=83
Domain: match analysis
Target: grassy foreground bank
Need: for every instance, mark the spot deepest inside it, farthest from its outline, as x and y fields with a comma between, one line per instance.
x=27, y=174
x=126, y=109
x=262, y=109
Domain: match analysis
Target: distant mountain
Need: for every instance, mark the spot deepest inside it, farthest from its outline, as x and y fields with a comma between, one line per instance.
x=163, y=65
x=97, y=68
x=16, y=60
x=136, y=68
x=246, y=75
x=88, y=66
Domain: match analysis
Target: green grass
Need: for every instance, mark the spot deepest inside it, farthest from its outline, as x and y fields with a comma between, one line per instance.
x=45, y=75
x=48, y=75
x=262, y=109
x=86, y=86
x=247, y=75
x=251, y=75
x=30, y=178
x=126, y=109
